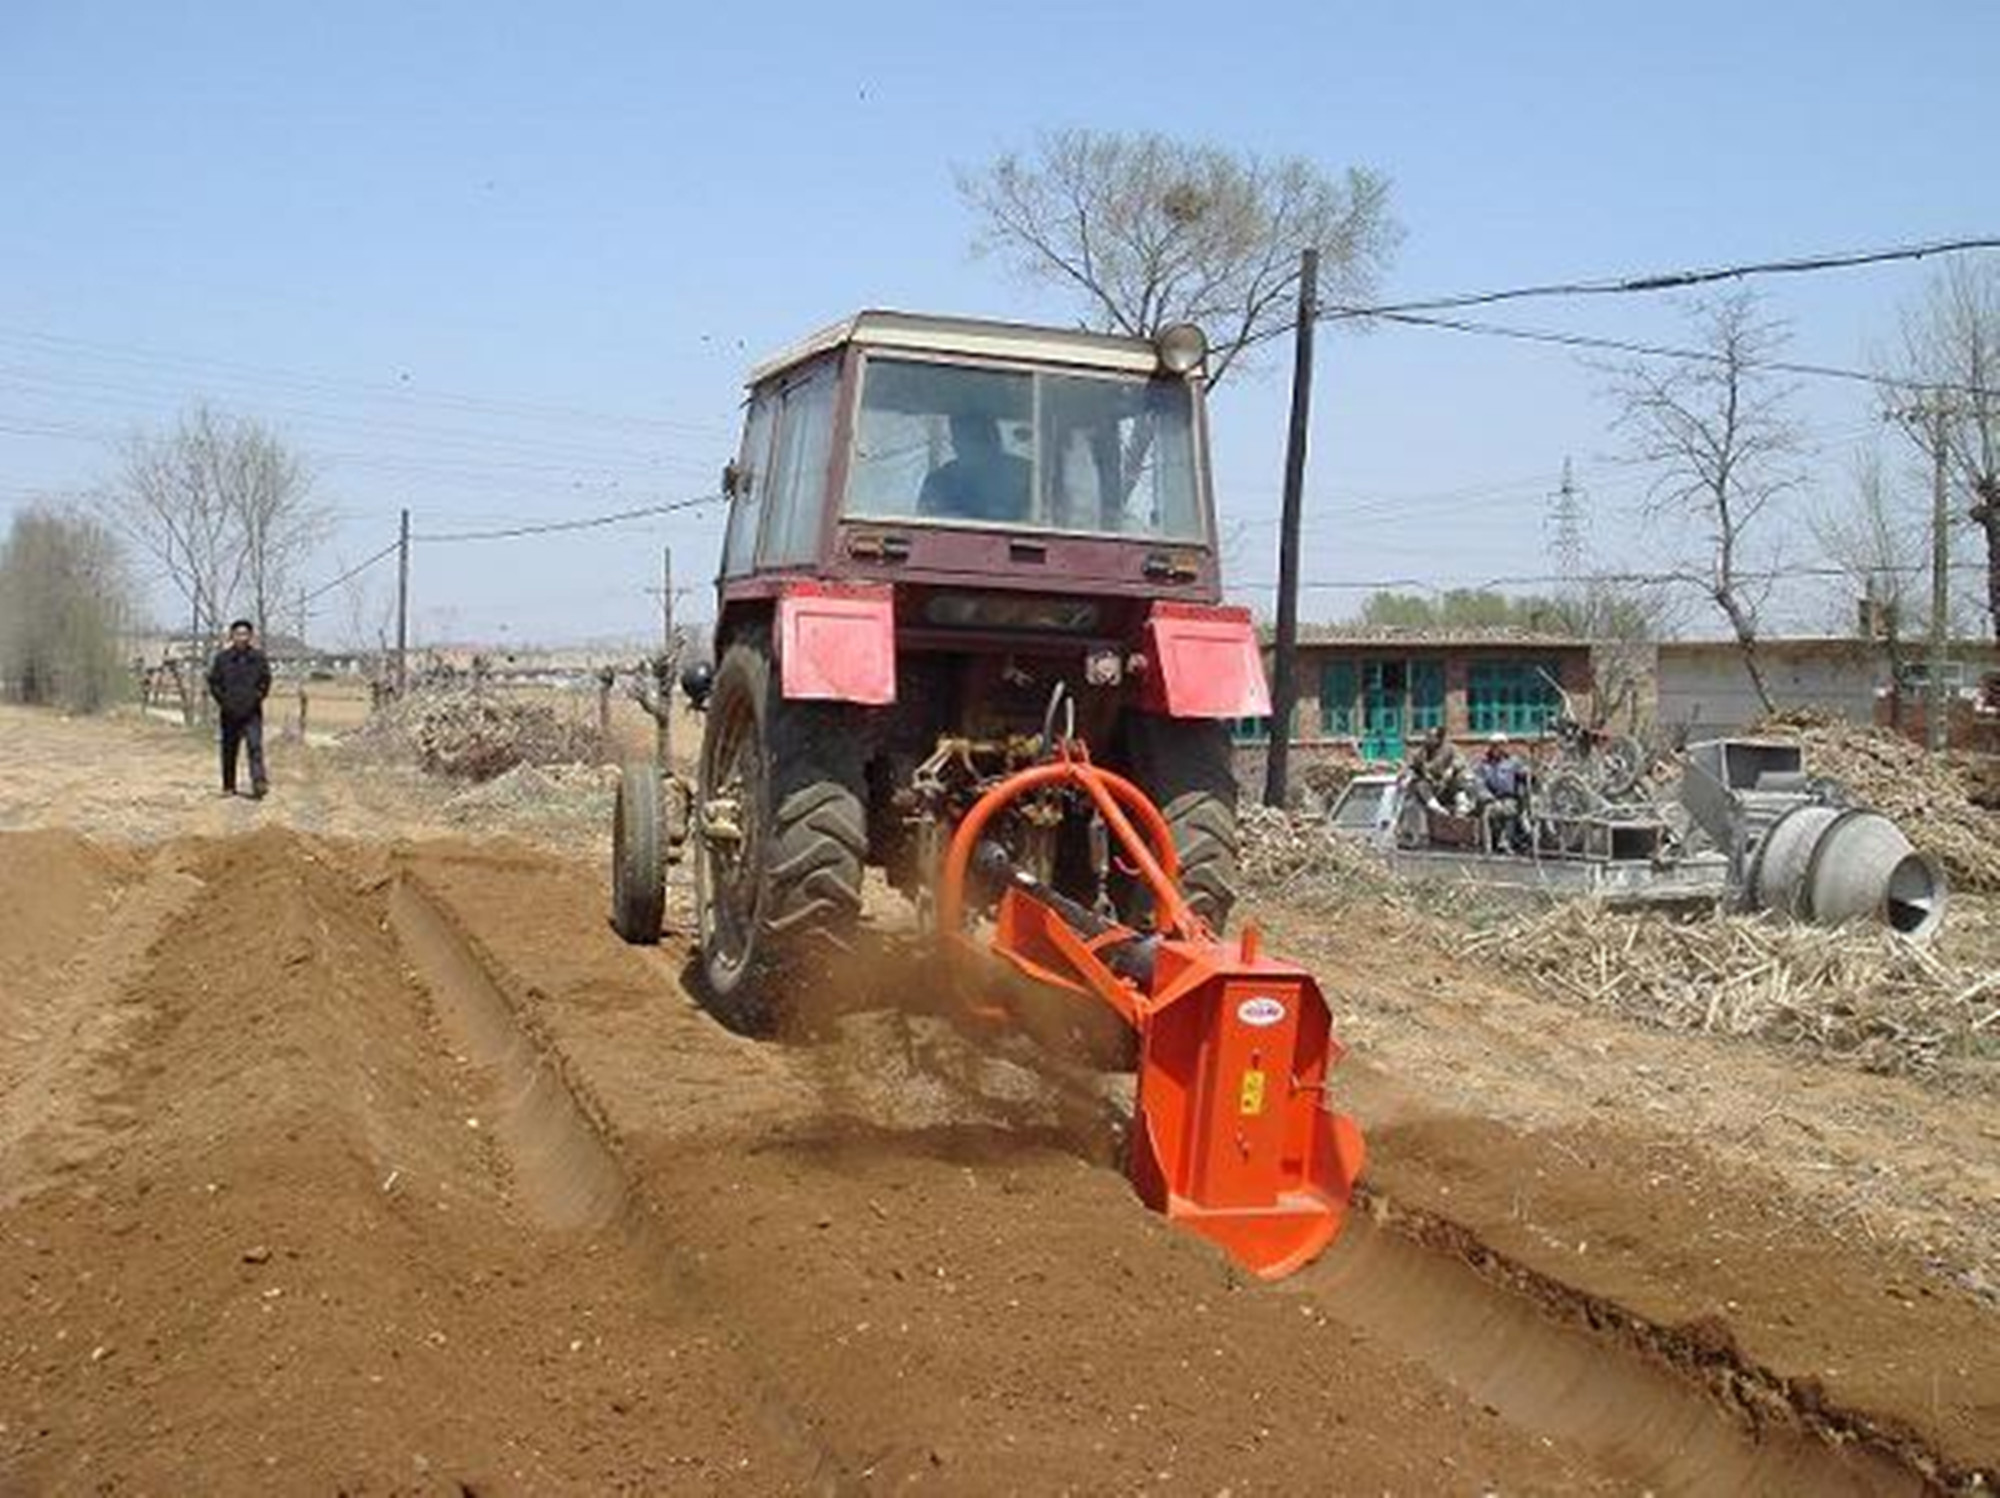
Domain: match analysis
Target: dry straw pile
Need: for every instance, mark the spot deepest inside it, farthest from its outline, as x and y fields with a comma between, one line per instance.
x=1858, y=992
x=1296, y=854
x=476, y=733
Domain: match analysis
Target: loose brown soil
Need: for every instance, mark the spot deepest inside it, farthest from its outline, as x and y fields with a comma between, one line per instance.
x=337, y=1155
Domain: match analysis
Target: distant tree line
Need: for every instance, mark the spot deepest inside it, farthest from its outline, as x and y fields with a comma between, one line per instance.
x=65, y=611
x=1589, y=611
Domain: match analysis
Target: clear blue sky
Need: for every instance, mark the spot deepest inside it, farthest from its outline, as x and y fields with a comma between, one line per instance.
x=499, y=262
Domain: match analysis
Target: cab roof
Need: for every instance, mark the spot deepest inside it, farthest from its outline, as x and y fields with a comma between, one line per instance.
x=977, y=337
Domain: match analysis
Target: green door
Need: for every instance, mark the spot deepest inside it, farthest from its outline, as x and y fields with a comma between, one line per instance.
x=1384, y=701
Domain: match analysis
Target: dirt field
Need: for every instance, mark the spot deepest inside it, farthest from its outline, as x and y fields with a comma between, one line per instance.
x=343, y=1148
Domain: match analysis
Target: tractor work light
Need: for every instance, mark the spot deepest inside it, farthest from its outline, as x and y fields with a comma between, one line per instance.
x=1182, y=347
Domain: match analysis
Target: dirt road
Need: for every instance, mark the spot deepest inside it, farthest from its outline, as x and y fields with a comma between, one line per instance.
x=343, y=1153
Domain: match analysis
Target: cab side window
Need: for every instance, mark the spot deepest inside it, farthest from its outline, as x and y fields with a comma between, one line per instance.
x=746, y=507
x=797, y=505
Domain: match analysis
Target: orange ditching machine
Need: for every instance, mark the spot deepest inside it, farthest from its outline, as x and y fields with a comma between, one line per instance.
x=1233, y=1137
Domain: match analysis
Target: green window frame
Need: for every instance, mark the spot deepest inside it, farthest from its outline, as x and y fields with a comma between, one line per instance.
x=1426, y=695
x=1514, y=697
x=1255, y=730
x=1339, y=716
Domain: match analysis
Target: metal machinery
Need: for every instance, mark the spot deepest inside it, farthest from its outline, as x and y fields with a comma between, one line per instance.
x=957, y=552
x=1798, y=848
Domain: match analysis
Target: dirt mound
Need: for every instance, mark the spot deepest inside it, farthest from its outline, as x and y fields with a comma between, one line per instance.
x=58, y=891
x=294, y=1261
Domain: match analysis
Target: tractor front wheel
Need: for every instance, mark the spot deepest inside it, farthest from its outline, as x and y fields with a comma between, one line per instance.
x=638, y=882
x=780, y=830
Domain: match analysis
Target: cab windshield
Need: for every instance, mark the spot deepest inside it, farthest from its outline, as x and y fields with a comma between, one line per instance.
x=1024, y=449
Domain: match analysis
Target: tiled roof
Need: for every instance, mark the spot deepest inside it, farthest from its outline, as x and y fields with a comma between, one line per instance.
x=1361, y=634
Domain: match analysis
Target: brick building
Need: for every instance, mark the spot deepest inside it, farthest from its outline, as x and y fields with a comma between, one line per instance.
x=1371, y=692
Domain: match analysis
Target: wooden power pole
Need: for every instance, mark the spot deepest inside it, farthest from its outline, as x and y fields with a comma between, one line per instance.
x=1937, y=708
x=1284, y=674
x=403, y=605
x=663, y=678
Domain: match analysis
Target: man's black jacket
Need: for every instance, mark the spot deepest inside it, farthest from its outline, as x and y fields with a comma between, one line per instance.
x=238, y=679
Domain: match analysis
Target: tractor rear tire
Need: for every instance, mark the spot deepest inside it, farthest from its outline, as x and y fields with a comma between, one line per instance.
x=1188, y=767
x=793, y=773
x=638, y=880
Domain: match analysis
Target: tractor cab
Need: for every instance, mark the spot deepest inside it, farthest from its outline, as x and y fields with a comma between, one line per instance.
x=915, y=449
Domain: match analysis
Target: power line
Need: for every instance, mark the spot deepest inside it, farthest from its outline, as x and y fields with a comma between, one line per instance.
x=352, y=572
x=1676, y=280
x=402, y=390
x=589, y=522
x=1670, y=351
x=1550, y=580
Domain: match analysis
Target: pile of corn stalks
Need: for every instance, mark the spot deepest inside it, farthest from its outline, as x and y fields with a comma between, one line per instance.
x=1856, y=993
x=1296, y=853
x=476, y=733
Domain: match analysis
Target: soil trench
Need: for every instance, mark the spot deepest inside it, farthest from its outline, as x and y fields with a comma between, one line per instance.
x=1545, y=1359
x=1583, y=1383
x=332, y=1167
x=562, y=1167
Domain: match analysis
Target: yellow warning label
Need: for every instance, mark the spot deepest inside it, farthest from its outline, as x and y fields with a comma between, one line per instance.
x=1253, y=1093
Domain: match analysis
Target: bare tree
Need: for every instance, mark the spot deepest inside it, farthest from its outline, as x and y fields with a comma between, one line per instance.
x=1951, y=341
x=1148, y=231
x=1722, y=451
x=268, y=487
x=1874, y=539
x=223, y=508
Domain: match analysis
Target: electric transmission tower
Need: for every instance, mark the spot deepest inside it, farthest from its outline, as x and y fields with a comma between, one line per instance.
x=1566, y=528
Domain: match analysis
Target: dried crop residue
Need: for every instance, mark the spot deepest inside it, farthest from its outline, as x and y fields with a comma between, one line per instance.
x=1857, y=993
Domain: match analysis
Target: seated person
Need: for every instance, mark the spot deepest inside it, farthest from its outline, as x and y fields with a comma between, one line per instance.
x=1435, y=771
x=982, y=481
x=1501, y=783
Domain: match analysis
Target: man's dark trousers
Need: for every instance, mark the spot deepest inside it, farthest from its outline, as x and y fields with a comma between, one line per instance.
x=247, y=731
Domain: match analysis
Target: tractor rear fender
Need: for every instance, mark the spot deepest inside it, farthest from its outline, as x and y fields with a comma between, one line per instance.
x=837, y=643
x=1203, y=663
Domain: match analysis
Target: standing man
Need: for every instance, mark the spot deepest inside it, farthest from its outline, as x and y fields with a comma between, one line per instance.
x=239, y=679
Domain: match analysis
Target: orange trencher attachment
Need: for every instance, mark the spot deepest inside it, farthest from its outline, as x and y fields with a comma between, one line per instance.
x=1234, y=1138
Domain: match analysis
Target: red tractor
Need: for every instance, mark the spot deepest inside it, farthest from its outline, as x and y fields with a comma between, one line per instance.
x=970, y=632
x=951, y=542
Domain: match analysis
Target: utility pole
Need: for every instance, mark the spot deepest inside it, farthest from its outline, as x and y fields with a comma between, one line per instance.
x=403, y=606
x=1285, y=681
x=663, y=684
x=1937, y=726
